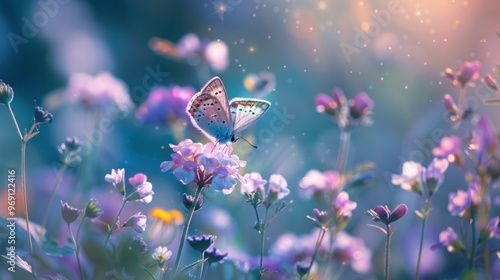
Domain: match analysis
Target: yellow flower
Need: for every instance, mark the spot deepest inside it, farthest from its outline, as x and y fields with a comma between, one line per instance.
x=168, y=217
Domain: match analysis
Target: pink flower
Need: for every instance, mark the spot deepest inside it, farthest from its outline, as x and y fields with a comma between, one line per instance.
x=253, y=182
x=117, y=178
x=449, y=239
x=485, y=137
x=469, y=72
x=205, y=165
x=278, y=185
x=143, y=189
x=316, y=183
x=450, y=149
x=360, y=106
x=165, y=105
x=411, y=177
x=138, y=222
x=459, y=202
x=343, y=205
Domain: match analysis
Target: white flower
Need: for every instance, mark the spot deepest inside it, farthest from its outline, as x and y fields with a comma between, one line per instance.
x=162, y=254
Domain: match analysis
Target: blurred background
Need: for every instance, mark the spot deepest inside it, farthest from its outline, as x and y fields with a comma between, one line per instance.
x=309, y=46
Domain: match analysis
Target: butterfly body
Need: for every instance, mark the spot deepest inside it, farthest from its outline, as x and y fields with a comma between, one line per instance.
x=219, y=119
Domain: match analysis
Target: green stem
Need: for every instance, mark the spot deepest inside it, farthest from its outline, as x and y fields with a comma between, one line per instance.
x=114, y=224
x=15, y=122
x=25, y=193
x=343, y=150
x=186, y=227
x=427, y=205
x=77, y=248
x=316, y=249
x=473, y=234
x=206, y=272
x=387, y=246
x=263, y=227
x=52, y=194
x=201, y=267
x=461, y=102
x=149, y=272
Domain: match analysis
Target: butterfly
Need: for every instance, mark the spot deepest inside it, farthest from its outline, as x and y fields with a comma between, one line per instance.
x=220, y=120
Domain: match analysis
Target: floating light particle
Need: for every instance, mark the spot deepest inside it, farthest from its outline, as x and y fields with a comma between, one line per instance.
x=284, y=66
x=381, y=78
x=406, y=87
x=269, y=37
x=242, y=40
x=209, y=29
x=322, y=5
x=311, y=28
x=251, y=49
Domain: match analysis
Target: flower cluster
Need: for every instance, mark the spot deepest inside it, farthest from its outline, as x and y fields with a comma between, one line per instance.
x=165, y=105
x=205, y=165
x=346, y=114
x=143, y=190
x=253, y=188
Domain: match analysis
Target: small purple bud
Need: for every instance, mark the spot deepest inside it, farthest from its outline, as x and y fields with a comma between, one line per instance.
x=302, y=268
x=469, y=72
x=490, y=82
x=487, y=139
x=214, y=255
x=69, y=213
x=361, y=105
x=382, y=213
x=188, y=200
x=73, y=144
x=450, y=105
x=321, y=216
x=201, y=242
x=42, y=116
x=339, y=97
x=398, y=213
x=6, y=93
x=324, y=103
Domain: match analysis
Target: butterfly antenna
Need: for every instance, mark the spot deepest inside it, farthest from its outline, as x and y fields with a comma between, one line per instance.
x=249, y=142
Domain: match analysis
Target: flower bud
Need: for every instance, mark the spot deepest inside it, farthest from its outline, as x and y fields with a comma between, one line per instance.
x=6, y=93
x=69, y=213
x=469, y=72
x=42, y=116
x=490, y=82
x=201, y=242
x=302, y=269
x=321, y=216
x=450, y=105
x=93, y=209
x=361, y=105
x=398, y=213
x=188, y=201
x=214, y=255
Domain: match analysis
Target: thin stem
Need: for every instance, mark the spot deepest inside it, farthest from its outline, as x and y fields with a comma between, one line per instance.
x=318, y=243
x=52, y=194
x=114, y=224
x=473, y=234
x=427, y=205
x=343, y=150
x=25, y=193
x=186, y=227
x=77, y=248
x=15, y=121
x=461, y=101
x=263, y=226
x=206, y=271
x=201, y=267
x=149, y=272
x=387, y=246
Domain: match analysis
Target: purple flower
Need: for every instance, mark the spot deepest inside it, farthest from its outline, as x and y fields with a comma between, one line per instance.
x=201, y=242
x=100, y=91
x=491, y=230
x=485, y=137
x=360, y=106
x=449, y=239
x=343, y=205
x=194, y=51
x=253, y=182
x=217, y=55
x=138, y=222
x=165, y=105
x=459, y=202
x=469, y=72
x=334, y=105
x=384, y=215
x=352, y=250
x=6, y=93
x=278, y=186
x=117, y=178
x=320, y=217
x=449, y=148
x=188, y=201
x=411, y=177
x=214, y=255
x=260, y=85
x=316, y=183
x=42, y=116
x=434, y=174
x=205, y=165
x=450, y=105
x=143, y=189
x=69, y=213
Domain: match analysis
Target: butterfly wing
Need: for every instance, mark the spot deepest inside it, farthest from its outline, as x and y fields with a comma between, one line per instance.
x=246, y=111
x=209, y=112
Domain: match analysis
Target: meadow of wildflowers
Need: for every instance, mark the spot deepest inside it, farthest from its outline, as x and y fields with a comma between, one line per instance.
x=362, y=143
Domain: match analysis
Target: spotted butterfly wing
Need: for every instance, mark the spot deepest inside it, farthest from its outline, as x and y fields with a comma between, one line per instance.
x=209, y=111
x=246, y=111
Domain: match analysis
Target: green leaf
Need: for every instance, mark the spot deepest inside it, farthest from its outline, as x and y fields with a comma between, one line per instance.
x=50, y=248
x=193, y=265
x=379, y=228
x=419, y=214
x=492, y=102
